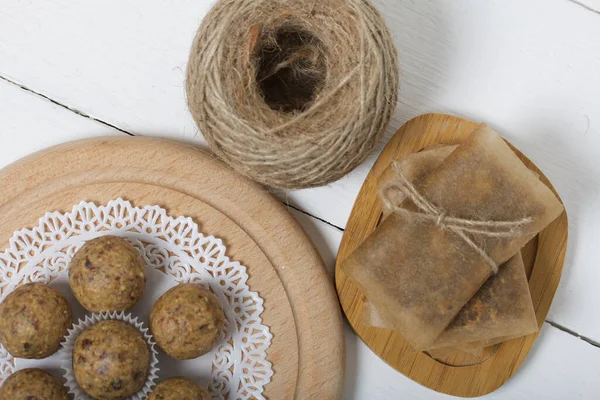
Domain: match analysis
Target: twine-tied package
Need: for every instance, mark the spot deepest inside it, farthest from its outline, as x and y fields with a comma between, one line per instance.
x=500, y=310
x=474, y=212
x=293, y=94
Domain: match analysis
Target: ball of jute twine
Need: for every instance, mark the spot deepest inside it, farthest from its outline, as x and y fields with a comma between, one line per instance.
x=293, y=93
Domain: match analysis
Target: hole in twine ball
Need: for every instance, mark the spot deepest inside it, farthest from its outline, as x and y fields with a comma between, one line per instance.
x=291, y=68
x=292, y=94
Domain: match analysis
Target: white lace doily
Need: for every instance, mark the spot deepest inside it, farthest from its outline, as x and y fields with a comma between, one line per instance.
x=172, y=248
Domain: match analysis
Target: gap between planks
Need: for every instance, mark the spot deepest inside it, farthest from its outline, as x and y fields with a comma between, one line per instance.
x=287, y=204
x=74, y=110
x=85, y=115
x=573, y=333
x=586, y=6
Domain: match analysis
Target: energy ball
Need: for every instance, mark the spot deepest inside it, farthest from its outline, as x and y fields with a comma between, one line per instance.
x=31, y=384
x=186, y=321
x=111, y=360
x=179, y=389
x=33, y=321
x=107, y=274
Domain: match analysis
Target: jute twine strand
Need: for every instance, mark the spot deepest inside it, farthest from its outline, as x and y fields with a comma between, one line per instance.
x=460, y=226
x=292, y=93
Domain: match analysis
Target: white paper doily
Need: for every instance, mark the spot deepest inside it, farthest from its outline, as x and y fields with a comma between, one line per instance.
x=172, y=248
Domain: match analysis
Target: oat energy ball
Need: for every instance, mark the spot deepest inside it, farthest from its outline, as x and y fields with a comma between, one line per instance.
x=33, y=321
x=33, y=384
x=111, y=360
x=179, y=389
x=186, y=321
x=107, y=274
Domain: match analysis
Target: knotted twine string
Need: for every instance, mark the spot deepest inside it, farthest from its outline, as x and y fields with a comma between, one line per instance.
x=459, y=226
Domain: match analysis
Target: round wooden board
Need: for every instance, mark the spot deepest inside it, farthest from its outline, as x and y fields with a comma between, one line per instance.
x=457, y=374
x=301, y=307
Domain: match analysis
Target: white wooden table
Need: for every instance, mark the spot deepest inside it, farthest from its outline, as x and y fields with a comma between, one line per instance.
x=72, y=69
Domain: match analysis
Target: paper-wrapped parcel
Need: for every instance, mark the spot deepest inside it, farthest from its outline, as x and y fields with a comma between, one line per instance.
x=453, y=223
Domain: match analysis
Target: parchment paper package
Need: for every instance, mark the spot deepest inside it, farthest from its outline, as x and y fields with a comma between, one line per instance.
x=471, y=214
x=501, y=309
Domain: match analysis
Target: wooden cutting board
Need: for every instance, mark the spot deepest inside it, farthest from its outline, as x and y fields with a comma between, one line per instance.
x=454, y=373
x=301, y=307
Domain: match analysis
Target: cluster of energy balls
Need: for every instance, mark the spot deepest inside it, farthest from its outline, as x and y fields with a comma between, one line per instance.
x=111, y=359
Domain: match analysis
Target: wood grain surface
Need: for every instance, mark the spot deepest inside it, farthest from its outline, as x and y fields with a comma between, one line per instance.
x=455, y=374
x=301, y=307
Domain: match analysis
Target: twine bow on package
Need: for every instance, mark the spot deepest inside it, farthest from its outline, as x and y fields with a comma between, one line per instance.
x=444, y=267
x=292, y=94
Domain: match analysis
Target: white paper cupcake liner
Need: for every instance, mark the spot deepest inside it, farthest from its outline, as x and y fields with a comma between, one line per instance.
x=66, y=353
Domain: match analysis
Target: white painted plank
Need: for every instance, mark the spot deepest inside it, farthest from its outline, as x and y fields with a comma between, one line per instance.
x=29, y=123
x=530, y=68
x=559, y=367
x=118, y=61
x=592, y=5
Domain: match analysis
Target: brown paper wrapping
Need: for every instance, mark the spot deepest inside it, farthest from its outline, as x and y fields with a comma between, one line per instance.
x=419, y=275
